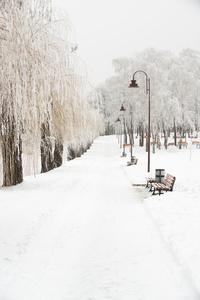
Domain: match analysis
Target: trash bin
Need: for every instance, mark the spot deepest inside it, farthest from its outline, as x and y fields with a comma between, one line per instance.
x=123, y=154
x=160, y=175
x=132, y=158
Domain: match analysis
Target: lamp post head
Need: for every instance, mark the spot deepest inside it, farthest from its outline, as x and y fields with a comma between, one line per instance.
x=118, y=120
x=133, y=84
x=122, y=108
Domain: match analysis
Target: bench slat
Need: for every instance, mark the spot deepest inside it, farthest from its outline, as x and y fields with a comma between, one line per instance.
x=166, y=186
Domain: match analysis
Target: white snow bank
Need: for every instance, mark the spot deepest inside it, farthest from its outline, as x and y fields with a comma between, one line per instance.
x=176, y=213
x=84, y=232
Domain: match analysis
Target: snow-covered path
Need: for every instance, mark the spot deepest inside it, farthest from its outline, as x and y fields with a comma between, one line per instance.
x=88, y=236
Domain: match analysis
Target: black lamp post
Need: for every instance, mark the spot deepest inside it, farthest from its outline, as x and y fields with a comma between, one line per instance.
x=131, y=113
x=119, y=120
x=135, y=85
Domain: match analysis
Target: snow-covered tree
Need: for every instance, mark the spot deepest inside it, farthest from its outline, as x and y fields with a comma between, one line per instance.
x=175, y=90
x=43, y=88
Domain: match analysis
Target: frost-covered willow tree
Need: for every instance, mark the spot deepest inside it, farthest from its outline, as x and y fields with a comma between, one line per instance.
x=24, y=61
x=40, y=90
x=11, y=93
x=73, y=122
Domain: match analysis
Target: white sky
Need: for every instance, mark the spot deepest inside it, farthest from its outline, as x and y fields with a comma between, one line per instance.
x=106, y=29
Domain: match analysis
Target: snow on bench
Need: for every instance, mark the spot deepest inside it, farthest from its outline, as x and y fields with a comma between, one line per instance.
x=166, y=186
x=149, y=181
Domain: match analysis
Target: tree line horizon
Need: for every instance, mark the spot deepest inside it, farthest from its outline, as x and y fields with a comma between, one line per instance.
x=175, y=94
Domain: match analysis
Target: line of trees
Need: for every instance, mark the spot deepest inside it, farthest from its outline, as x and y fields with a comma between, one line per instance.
x=46, y=108
x=175, y=92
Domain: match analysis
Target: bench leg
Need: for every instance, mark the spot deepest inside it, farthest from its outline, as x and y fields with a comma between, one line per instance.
x=154, y=192
x=149, y=185
x=150, y=190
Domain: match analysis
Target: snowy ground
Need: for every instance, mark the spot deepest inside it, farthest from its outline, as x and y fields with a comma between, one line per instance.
x=84, y=232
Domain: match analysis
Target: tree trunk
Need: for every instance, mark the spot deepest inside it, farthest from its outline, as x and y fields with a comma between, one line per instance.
x=46, y=149
x=158, y=141
x=154, y=144
x=11, y=145
x=125, y=134
x=71, y=153
x=147, y=141
x=132, y=136
x=141, y=135
x=165, y=137
x=175, y=141
x=181, y=134
x=58, y=154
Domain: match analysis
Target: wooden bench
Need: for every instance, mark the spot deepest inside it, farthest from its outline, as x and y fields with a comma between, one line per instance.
x=166, y=186
x=150, y=180
x=197, y=143
x=123, y=154
x=184, y=144
x=128, y=145
x=134, y=162
x=153, y=143
x=170, y=144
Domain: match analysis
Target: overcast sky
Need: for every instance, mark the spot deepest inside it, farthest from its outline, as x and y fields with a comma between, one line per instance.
x=106, y=29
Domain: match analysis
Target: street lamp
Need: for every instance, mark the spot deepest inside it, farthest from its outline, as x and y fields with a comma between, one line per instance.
x=118, y=120
x=135, y=85
x=131, y=113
